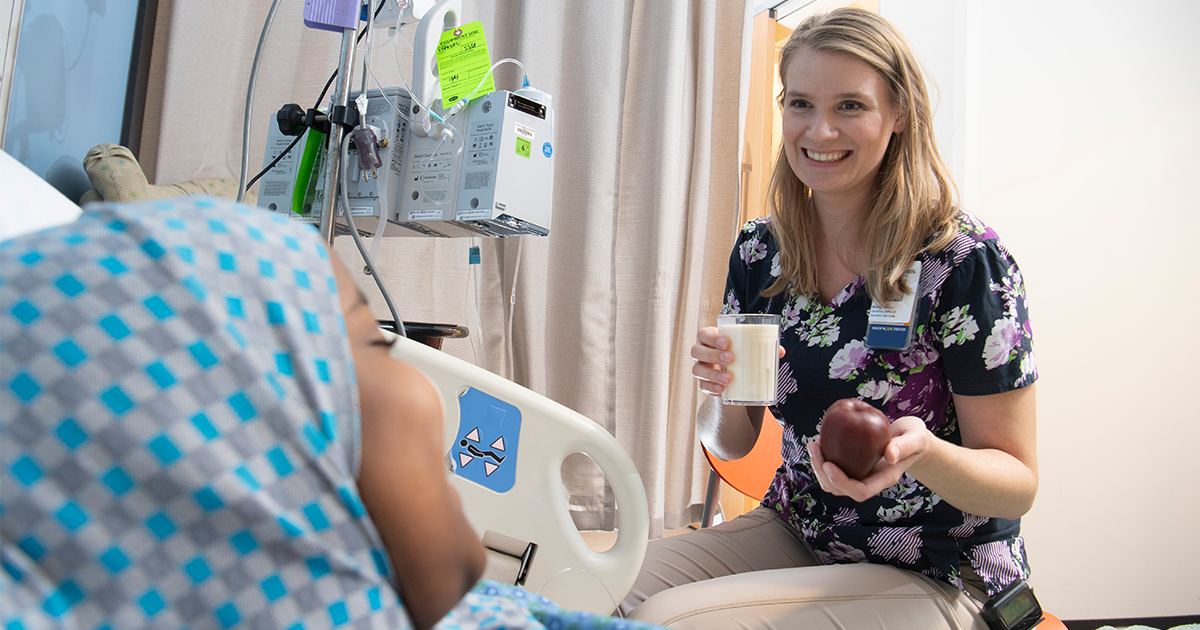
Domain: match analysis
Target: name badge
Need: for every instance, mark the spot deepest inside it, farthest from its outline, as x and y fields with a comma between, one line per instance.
x=890, y=325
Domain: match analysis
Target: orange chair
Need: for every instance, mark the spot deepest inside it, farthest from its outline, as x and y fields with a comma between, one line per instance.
x=750, y=475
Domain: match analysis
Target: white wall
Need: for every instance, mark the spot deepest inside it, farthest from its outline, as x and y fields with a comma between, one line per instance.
x=1076, y=131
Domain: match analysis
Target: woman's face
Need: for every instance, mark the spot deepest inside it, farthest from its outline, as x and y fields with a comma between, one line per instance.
x=837, y=122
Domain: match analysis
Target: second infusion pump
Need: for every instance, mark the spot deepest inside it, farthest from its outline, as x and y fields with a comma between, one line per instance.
x=491, y=175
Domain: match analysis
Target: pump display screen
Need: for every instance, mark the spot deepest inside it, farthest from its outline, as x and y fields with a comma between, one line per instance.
x=1020, y=605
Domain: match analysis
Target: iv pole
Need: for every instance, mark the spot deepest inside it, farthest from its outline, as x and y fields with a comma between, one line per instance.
x=332, y=165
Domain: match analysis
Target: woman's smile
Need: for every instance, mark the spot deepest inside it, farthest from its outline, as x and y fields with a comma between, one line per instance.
x=826, y=156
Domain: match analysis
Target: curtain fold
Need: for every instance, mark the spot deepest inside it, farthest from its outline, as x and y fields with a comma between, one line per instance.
x=645, y=94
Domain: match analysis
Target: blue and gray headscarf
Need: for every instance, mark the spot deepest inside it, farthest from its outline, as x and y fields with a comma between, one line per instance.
x=179, y=424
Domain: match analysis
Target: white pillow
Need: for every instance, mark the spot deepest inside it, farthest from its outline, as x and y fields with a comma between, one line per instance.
x=28, y=203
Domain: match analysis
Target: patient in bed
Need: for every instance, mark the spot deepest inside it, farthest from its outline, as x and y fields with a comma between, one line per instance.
x=202, y=427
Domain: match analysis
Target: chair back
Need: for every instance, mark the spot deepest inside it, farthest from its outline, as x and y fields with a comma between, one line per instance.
x=752, y=475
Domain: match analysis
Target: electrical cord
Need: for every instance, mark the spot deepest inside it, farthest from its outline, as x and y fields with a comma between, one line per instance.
x=294, y=142
x=270, y=166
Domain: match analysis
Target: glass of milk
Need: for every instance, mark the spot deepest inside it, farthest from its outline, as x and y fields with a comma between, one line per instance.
x=754, y=343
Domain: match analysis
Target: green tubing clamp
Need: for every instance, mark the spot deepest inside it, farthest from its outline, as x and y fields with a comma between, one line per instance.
x=312, y=147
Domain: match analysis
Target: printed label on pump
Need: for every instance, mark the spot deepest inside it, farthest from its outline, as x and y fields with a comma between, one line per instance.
x=890, y=325
x=473, y=215
x=463, y=61
x=524, y=141
x=485, y=446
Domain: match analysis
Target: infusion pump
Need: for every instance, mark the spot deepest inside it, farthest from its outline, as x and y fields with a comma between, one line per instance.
x=491, y=175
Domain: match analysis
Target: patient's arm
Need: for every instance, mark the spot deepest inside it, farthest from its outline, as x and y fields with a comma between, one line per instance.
x=404, y=485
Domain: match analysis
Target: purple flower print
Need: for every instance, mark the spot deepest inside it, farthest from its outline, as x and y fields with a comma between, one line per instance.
x=791, y=311
x=851, y=358
x=840, y=553
x=732, y=306
x=753, y=250
x=998, y=349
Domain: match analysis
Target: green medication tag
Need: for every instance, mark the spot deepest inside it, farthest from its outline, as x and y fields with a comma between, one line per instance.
x=463, y=61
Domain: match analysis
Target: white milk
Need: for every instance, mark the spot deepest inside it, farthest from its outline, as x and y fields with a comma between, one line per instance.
x=755, y=367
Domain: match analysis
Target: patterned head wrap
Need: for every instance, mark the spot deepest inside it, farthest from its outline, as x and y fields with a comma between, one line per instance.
x=180, y=434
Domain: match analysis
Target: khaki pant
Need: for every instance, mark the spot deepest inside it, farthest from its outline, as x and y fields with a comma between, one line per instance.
x=755, y=572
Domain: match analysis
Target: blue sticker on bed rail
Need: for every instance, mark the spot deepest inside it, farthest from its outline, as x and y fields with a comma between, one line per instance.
x=485, y=446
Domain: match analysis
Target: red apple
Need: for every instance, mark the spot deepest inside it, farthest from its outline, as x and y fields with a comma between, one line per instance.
x=853, y=436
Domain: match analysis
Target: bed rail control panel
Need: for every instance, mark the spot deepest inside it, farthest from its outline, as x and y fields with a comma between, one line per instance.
x=488, y=438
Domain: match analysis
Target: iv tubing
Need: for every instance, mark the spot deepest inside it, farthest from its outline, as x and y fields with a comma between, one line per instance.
x=462, y=102
x=344, y=155
x=512, y=307
x=370, y=37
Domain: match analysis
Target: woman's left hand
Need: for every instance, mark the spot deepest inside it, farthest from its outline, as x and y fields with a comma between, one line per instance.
x=910, y=439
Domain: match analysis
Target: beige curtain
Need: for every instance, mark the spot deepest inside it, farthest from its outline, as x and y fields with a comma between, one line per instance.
x=645, y=203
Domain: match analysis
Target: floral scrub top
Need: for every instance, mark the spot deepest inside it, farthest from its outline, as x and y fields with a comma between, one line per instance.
x=972, y=337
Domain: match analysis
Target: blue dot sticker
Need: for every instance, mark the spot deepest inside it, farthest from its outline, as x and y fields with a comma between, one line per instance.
x=547, y=150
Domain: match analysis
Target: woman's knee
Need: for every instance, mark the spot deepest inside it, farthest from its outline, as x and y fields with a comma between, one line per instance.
x=756, y=541
x=836, y=596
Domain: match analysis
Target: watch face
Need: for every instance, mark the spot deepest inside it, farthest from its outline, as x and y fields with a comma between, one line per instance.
x=1020, y=605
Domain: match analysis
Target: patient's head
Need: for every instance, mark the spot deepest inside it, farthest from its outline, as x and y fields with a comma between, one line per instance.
x=179, y=414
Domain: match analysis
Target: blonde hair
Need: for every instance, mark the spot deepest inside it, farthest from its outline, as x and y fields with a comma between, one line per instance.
x=913, y=193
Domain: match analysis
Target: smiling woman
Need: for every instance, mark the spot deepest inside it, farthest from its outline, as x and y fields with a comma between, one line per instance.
x=888, y=294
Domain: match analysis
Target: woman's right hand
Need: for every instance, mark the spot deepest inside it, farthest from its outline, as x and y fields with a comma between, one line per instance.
x=727, y=431
x=712, y=355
